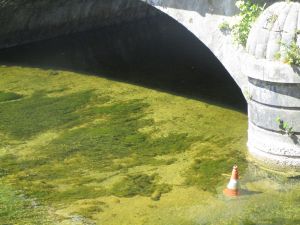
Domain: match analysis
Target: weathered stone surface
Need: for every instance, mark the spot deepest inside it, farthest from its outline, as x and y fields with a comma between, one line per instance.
x=24, y=21
x=277, y=162
x=280, y=154
x=202, y=18
x=274, y=89
x=272, y=71
x=275, y=94
x=261, y=43
x=273, y=46
x=265, y=116
x=277, y=26
x=274, y=143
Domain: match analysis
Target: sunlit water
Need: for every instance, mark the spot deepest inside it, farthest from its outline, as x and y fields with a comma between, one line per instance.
x=80, y=149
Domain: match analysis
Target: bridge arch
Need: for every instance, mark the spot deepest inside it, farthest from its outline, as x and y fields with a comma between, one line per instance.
x=202, y=18
x=270, y=144
x=40, y=20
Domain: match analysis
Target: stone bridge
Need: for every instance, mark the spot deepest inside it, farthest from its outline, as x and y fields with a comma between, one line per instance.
x=272, y=88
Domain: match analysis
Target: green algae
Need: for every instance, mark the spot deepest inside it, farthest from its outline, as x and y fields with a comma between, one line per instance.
x=267, y=207
x=16, y=207
x=98, y=145
x=139, y=184
x=206, y=172
x=9, y=96
x=87, y=140
x=89, y=211
x=38, y=113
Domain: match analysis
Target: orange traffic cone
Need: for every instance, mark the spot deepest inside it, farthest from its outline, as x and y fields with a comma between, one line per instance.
x=233, y=185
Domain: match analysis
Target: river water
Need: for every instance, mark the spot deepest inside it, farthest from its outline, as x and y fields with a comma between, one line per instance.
x=130, y=124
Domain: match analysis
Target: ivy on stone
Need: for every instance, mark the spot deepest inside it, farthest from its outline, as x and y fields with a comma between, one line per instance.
x=249, y=12
x=292, y=53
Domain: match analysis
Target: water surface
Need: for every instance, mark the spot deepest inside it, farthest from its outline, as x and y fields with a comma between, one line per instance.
x=79, y=149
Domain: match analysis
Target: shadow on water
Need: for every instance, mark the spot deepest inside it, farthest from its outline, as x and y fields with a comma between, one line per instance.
x=245, y=192
x=154, y=52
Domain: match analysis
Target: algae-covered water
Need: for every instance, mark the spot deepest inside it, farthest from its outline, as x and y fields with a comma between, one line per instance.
x=78, y=149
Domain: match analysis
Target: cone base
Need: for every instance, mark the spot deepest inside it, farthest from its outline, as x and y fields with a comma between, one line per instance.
x=231, y=192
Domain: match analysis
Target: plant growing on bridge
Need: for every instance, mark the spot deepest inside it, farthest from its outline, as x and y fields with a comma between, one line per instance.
x=224, y=26
x=285, y=127
x=271, y=20
x=249, y=11
x=247, y=95
x=277, y=55
x=292, y=52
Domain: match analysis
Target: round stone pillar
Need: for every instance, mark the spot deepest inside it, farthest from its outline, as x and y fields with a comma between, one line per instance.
x=274, y=88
